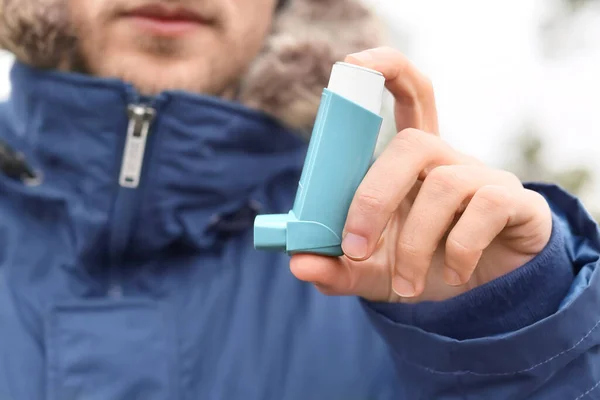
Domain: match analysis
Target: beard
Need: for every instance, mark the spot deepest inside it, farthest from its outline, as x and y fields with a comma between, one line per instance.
x=49, y=34
x=44, y=34
x=208, y=61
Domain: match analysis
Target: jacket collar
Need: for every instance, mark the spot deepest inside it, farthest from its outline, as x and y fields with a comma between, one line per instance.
x=209, y=164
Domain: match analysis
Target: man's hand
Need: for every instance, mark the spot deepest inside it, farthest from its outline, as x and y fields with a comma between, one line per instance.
x=427, y=222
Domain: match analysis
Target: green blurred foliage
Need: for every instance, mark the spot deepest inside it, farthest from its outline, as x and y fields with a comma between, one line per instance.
x=561, y=19
x=577, y=5
x=531, y=165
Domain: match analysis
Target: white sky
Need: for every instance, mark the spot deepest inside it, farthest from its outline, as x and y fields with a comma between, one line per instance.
x=485, y=62
x=489, y=75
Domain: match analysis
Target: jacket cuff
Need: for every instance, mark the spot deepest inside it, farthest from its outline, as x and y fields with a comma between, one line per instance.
x=509, y=303
x=536, y=351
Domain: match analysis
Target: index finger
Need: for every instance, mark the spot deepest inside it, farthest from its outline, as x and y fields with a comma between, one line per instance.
x=412, y=90
x=389, y=180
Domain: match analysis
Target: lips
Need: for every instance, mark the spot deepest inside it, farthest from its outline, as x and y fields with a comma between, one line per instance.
x=162, y=13
x=158, y=19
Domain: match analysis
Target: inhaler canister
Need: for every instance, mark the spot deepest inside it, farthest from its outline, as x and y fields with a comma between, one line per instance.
x=339, y=154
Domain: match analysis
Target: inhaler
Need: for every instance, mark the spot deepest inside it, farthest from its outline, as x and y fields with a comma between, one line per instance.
x=339, y=154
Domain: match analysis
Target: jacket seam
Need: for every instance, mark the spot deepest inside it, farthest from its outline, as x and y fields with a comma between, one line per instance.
x=469, y=372
x=581, y=396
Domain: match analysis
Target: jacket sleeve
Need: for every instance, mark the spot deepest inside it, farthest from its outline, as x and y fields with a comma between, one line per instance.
x=532, y=334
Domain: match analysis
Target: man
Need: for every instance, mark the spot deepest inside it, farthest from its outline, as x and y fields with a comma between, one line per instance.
x=457, y=282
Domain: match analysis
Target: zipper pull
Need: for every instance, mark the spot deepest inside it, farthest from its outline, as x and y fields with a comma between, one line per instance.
x=140, y=118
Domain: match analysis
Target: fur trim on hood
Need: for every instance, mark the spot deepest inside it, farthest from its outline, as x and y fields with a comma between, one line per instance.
x=308, y=37
x=285, y=80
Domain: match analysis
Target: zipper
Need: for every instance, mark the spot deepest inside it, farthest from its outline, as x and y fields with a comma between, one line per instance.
x=140, y=118
x=141, y=115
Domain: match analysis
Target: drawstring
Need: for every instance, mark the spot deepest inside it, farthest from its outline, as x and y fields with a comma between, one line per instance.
x=14, y=165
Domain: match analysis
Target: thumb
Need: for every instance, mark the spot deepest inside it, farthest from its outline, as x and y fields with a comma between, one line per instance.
x=343, y=277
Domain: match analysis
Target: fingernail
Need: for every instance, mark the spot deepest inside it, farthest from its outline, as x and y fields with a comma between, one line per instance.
x=402, y=287
x=354, y=246
x=363, y=56
x=451, y=277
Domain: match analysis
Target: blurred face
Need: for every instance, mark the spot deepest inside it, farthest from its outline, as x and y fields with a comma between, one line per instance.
x=196, y=45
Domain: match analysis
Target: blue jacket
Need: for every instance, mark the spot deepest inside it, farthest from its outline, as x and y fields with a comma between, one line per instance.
x=155, y=292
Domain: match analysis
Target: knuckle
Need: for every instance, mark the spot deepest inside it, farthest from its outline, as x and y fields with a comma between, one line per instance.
x=408, y=250
x=444, y=180
x=370, y=202
x=491, y=198
x=511, y=179
x=457, y=248
x=426, y=87
x=408, y=140
x=535, y=201
x=536, y=198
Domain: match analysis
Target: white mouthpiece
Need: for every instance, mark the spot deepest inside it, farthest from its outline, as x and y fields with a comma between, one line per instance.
x=360, y=85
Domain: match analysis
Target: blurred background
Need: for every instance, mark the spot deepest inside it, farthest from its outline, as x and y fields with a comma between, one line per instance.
x=517, y=81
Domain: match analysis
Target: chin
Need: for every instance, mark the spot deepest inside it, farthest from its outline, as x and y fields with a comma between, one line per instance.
x=198, y=63
x=151, y=74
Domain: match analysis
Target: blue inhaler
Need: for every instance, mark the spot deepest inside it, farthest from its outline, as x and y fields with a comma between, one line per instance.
x=339, y=154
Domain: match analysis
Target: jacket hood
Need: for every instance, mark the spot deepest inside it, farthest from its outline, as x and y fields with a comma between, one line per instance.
x=285, y=80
